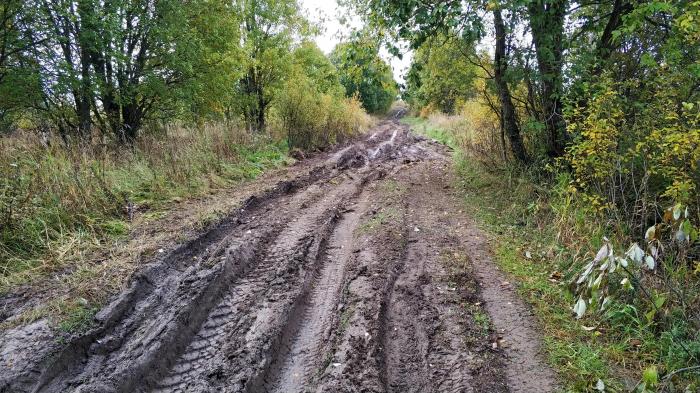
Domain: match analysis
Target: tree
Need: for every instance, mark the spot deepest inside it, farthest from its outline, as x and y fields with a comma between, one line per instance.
x=442, y=75
x=509, y=116
x=318, y=68
x=115, y=64
x=417, y=21
x=546, y=20
x=18, y=82
x=363, y=72
x=267, y=31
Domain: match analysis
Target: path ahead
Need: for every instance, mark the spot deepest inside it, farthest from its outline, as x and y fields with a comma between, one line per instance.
x=362, y=275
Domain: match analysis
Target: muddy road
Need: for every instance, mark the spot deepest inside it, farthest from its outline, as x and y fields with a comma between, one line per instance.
x=360, y=275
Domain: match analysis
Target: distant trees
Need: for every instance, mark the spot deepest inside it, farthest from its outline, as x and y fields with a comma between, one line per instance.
x=110, y=65
x=440, y=75
x=311, y=105
x=364, y=73
x=268, y=28
x=109, y=68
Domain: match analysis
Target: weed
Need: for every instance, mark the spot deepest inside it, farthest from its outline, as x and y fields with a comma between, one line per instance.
x=79, y=318
x=345, y=318
x=61, y=206
x=481, y=319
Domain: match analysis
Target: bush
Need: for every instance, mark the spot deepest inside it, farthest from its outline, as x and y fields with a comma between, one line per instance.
x=311, y=119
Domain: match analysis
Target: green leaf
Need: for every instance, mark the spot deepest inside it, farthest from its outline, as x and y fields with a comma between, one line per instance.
x=626, y=283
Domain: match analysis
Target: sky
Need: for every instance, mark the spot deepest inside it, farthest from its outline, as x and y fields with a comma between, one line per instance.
x=330, y=13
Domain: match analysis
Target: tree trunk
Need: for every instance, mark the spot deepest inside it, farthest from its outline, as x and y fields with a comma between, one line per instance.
x=83, y=102
x=546, y=19
x=131, y=122
x=509, y=117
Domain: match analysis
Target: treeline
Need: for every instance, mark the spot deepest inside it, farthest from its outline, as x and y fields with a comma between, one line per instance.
x=608, y=92
x=111, y=68
x=599, y=104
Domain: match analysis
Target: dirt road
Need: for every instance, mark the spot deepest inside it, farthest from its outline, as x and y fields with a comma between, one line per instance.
x=360, y=275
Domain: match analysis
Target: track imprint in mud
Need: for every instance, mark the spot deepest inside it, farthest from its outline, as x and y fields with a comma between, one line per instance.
x=350, y=278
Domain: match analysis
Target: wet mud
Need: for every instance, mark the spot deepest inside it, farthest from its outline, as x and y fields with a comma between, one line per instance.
x=354, y=276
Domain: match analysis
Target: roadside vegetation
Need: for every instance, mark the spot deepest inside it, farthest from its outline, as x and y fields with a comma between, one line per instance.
x=576, y=128
x=111, y=110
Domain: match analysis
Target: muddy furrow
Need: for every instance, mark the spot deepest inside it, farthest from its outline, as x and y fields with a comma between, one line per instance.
x=265, y=342
x=406, y=334
x=284, y=295
x=353, y=355
x=254, y=296
x=425, y=348
x=307, y=341
x=142, y=348
x=437, y=283
x=147, y=326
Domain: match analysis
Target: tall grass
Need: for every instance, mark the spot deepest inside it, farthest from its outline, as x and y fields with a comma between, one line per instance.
x=545, y=232
x=54, y=198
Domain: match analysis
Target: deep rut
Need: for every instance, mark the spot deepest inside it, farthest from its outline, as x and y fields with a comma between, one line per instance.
x=340, y=280
x=232, y=315
x=302, y=354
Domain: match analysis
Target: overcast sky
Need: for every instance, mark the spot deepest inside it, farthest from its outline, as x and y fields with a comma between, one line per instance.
x=329, y=12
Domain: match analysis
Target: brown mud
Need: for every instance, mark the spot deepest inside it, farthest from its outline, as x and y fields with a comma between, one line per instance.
x=357, y=275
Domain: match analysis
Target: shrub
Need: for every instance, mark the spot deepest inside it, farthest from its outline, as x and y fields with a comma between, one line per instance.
x=311, y=119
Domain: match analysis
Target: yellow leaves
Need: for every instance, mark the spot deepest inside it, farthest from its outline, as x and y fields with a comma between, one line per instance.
x=596, y=156
x=659, y=143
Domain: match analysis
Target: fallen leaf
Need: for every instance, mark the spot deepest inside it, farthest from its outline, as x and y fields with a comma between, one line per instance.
x=636, y=342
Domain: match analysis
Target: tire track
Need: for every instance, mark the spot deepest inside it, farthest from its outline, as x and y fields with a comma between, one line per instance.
x=298, y=361
x=284, y=296
x=202, y=363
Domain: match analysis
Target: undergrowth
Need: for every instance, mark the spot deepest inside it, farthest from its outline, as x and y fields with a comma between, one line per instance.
x=57, y=203
x=543, y=235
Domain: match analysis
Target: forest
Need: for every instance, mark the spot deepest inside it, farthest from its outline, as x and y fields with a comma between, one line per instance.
x=574, y=126
x=107, y=103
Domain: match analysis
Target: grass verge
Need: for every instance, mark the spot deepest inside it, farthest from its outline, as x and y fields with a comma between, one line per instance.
x=63, y=211
x=542, y=236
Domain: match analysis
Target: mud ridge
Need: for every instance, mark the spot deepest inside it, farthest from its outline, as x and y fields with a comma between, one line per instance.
x=307, y=337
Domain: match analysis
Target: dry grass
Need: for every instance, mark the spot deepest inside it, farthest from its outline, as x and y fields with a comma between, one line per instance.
x=76, y=221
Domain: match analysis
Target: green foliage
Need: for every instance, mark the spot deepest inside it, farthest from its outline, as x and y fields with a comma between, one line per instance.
x=268, y=29
x=113, y=66
x=441, y=75
x=522, y=224
x=316, y=120
x=365, y=74
x=543, y=231
x=19, y=84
